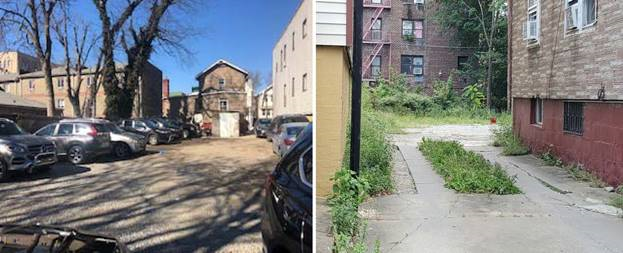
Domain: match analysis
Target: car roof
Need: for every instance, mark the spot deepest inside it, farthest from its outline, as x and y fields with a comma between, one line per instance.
x=85, y=120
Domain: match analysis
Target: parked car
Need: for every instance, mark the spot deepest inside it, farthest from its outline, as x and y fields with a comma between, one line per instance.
x=282, y=119
x=188, y=130
x=287, y=220
x=21, y=151
x=150, y=129
x=260, y=127
x=124, y=143
x=286, y=136
x=78, y=141
x=168, y=124
x=37, y=238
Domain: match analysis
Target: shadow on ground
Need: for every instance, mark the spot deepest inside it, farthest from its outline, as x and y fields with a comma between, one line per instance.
x=162, y=202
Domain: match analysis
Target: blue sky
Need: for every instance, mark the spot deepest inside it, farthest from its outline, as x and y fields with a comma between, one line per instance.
x=242, y=32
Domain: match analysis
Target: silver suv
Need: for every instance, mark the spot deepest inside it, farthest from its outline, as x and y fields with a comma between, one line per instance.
x=79, y=141
x=124, y=143
x=22, y=151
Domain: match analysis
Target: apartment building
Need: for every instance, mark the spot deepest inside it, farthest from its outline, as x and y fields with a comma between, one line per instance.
x=15, y=62
x=565, y=81
x=264, y=103
x=32, y=86
x=401, y=37
x=293, y=81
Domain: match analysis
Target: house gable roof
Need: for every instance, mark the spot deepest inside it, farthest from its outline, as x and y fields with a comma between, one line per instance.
x=216, y=64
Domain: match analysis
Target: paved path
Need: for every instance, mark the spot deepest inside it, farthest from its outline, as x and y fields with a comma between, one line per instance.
x=552, y=215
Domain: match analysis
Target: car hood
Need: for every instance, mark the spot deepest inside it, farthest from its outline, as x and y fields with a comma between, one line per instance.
x=126, y=135
x=25, y=139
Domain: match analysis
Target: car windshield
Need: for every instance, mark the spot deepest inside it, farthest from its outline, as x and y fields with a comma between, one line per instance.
x=293, y=131
x=114, y=128
x=295, y=119
x=7, y=129
x=263, y=122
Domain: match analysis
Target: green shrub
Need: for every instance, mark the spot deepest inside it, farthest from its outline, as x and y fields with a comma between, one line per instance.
x=504, y=137
x=376, y=153
x=466, y=171
x=617, y=201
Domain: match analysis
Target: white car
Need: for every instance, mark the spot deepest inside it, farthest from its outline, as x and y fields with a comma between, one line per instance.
x=286, y=136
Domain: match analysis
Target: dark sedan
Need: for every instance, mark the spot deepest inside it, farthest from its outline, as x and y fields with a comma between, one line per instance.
x=287, y=220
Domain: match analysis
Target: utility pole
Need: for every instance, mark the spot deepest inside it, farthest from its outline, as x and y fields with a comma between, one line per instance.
x=355, y=116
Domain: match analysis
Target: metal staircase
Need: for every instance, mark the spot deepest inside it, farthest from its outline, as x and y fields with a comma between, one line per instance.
x=376, y=38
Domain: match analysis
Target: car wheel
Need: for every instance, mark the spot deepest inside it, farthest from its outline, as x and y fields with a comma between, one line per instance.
x=185, y=134
x=122, y=150
x=153, y=140
x=4, y=172
x=76, y=155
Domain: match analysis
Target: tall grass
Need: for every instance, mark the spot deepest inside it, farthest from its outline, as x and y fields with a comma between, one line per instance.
x=466, y=171
x=504, y=137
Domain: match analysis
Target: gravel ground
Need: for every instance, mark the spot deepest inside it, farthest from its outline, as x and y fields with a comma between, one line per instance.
x=201, y=195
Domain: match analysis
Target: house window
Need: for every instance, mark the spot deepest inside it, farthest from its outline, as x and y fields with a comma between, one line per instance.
x=293, y=89
x=462, y=63
x=31, y=85
x=221, y=83
x=532, y=27
x=412, y=29
x=60, y=83
x=285, y=52
x=304, y=82
x=223, y=105
x=285, y=97
x=281, y=59
x=304, y=29
x=580, y=13
x=537, y=111
x=60, y=103
x=573, y=117
x=413, y=1
x=375, y=68
x=376, y=1
x=412, y=66
x=293, y=41
x=375, y=32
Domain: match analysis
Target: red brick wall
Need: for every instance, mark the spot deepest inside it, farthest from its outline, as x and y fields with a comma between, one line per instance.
x=599, y=148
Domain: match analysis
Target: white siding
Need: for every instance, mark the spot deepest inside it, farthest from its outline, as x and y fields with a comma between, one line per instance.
x=331, y=22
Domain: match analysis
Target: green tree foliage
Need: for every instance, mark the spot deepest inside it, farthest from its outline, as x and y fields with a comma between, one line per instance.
x=481, y=24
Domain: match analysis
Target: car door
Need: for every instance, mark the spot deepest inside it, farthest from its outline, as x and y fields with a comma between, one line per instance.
x=48, y=133
x=62, y=137
x=294, y=210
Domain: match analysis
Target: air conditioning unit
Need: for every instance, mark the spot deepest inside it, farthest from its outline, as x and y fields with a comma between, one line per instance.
x=417, y=71
x=573, y=16
x=418, y=1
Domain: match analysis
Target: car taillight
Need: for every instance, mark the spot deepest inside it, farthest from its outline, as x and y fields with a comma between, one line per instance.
x=93, y=132
x=288, y=142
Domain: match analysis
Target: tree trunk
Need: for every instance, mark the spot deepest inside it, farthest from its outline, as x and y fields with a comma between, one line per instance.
x=47, y=72
x=489, y=78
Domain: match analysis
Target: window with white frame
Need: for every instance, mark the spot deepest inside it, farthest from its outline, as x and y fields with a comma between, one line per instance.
x=60, y=103
x=31, y=85
x=537, y=111
x=580, y=14
x=293, y=85
x=304, y=29
x=285, y=97
x=221, y=83
x=223, y=104
x=60, y=83
x=304, y=82
x=532, y=26
x=412, y=65
x=293, y=34
x=375, y=67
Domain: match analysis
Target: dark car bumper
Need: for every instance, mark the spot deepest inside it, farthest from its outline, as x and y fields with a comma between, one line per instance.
x=273, y=235
x=29, y=162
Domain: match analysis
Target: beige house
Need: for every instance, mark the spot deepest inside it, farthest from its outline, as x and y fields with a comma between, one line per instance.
x=265, y=103
x=293, y=81
x=32, y=86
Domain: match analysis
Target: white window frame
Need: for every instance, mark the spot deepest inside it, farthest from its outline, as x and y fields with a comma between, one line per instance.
x=220, y=104
x=221, y=85
x=535, y=10
x=538, y=111
x=60, y=103
x=60, y=83
x=581, y=16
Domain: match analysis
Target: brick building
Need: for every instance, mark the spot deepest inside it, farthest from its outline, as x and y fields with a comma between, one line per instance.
x=566, y=81
x=32, y=86
x=400, y=36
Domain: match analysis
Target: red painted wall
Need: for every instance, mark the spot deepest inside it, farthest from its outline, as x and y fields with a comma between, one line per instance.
x=599, y=149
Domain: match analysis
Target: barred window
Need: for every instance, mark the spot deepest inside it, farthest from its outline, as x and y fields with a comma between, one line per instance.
x=574, y=117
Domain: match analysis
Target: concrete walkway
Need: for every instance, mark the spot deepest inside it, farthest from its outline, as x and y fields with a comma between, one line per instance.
x=554, y=213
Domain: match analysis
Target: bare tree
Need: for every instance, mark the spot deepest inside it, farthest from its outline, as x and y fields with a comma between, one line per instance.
x=34, y=19
x=80, y=45
x=109, y=32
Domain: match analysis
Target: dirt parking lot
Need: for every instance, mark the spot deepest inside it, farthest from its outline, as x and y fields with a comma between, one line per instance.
x=201, y=195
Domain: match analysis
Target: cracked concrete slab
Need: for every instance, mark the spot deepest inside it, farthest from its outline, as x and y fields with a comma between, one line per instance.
x=541, y=219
